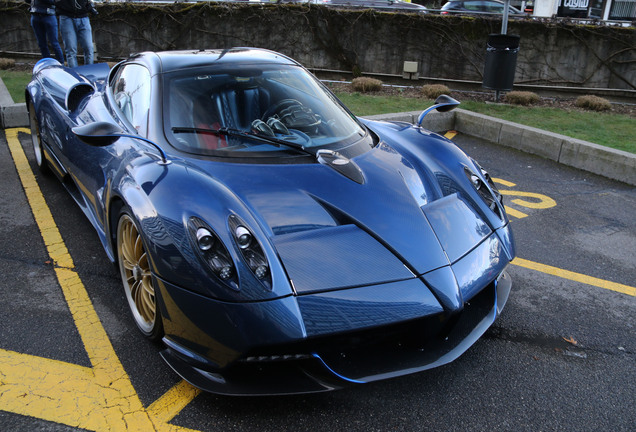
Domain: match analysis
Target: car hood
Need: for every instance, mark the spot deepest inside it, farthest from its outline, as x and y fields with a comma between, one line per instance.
x=331, y=232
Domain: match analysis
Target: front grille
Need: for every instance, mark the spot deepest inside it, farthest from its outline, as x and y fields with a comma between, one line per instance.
x=386, y=349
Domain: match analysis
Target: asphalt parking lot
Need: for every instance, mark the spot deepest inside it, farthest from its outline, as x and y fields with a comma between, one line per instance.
x=561, y=356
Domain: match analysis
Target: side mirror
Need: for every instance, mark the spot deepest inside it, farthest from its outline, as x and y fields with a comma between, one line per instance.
x=443, y=103
x=100, y=134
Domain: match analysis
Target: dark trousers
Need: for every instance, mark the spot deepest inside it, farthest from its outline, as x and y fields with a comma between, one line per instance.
x=45, y=27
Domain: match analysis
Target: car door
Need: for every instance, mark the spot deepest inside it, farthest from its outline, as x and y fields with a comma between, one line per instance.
x=92, y=167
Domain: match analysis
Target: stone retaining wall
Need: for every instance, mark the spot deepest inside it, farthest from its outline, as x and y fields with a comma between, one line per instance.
x=450, y=47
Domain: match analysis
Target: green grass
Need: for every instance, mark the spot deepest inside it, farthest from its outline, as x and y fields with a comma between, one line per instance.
x=611, y=130
x=15, y=81
x=365, y=105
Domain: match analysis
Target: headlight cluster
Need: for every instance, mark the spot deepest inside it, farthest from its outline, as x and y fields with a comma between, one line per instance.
x=251, y=250
x=491, y=183
x=489, y=193
x=215, y=254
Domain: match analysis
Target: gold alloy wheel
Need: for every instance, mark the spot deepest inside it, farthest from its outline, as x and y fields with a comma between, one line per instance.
x=135, y=274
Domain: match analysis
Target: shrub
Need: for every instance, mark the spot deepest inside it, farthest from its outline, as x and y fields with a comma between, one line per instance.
x=593, y=103
x=433, y=91
x=521, y=98
x=6, y=63
x=366, y=84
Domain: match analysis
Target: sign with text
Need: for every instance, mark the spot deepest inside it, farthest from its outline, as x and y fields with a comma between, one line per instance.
x=573, y=8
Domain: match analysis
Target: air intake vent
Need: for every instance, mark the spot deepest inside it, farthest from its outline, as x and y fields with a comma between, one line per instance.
x=447, y=184
x=77, y=94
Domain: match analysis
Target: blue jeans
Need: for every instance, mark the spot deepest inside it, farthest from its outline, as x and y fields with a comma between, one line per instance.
x=45, y=27
x=76, y=30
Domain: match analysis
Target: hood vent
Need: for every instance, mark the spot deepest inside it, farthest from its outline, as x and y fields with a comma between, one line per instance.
x=343, y=165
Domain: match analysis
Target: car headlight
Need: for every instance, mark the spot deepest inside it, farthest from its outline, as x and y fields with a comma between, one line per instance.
x=213, y=252
x=205, y=239
x=251, y=250
x=243, y=237
x=491, y=183
x=486, y=190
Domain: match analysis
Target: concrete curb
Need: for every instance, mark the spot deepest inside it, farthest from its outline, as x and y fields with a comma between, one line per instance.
x=11, y=114
x=614, y=164
x=593, y=158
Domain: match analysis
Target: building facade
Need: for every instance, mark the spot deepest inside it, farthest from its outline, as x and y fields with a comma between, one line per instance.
x=606, y=10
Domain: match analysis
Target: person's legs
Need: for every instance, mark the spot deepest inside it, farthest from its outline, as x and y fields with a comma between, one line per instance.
x=39, y=28
x=70, y=40
x=51, y=33
x=85, y=38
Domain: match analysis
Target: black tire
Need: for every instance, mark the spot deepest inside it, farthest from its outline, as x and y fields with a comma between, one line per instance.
x=36, y=139
x=136, y=277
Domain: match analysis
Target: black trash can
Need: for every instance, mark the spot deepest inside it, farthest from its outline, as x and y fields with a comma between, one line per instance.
x=501, y=61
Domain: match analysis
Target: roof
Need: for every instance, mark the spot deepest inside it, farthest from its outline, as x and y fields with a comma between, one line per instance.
x=167, y=61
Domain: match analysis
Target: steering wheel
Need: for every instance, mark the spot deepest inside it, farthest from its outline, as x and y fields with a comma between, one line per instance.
x=293, y=114
x=279, y=106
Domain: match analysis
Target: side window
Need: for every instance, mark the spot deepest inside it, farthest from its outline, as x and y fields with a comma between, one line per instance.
x=495, y=7
x=474, y=6
x=131, y=91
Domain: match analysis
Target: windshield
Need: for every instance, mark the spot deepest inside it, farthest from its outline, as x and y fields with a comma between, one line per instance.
x=255, y=111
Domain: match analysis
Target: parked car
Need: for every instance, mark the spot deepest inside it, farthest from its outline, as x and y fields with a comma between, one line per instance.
x=477, y=7
x=381, y=5
x=529, y=7
x=272, y=240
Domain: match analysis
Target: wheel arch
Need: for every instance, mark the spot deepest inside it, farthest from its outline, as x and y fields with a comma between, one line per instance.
x=28, y=100
x=134, y=199
x=32, y=93
x=114, y=207
x=126, y=193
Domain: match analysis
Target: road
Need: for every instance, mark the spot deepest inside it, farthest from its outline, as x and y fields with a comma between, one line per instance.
x=561, y=356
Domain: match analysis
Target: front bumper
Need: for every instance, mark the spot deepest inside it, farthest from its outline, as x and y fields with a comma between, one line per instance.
x=295, y=363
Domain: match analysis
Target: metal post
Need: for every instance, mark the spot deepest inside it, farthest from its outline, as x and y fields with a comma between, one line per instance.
x=504, y=21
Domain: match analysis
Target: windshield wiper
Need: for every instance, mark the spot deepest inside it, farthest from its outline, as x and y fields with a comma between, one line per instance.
x=243, y=134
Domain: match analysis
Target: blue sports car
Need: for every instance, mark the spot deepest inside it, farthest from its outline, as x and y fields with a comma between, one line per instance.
x=272, y=241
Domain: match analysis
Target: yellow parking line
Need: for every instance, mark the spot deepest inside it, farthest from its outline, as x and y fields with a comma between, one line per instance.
x=97, y=398
x=450, y=134
x=173, y=401
x=516, y=213
x=543, y=201
x=577, y=277
x=504, y=182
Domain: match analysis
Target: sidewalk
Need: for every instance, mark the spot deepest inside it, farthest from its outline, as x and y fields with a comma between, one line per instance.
x=614, y=164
